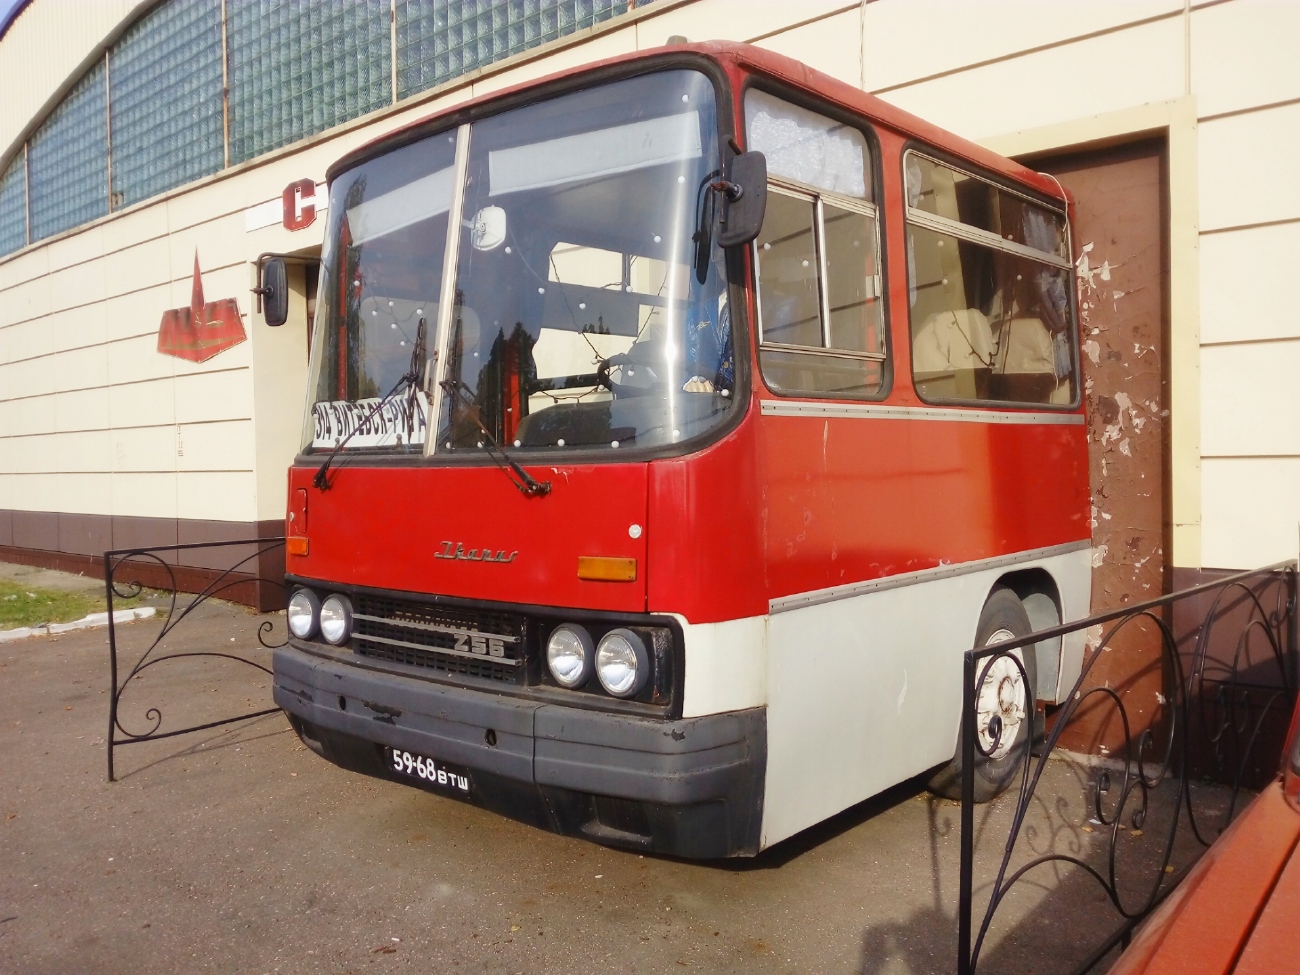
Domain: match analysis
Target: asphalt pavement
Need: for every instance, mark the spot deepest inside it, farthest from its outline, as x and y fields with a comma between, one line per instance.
x=237, y=850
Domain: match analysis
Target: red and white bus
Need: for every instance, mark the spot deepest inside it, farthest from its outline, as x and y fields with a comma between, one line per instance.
x=674, y=425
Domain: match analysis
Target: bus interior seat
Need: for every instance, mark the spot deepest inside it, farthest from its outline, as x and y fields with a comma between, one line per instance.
x=952, y=354
x=1026, y=371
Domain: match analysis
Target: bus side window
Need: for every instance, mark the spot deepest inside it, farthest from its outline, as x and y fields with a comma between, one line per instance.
x=819, y=284
x=989, y=285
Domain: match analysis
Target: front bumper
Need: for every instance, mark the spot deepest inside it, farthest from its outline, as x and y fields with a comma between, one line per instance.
x=690, y=787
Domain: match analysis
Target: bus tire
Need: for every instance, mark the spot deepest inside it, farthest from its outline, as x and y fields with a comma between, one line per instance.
x=1007, y=694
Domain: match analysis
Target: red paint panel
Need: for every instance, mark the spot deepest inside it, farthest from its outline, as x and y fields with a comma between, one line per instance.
x=384, y=527
x=1201, y=928
x=706, y=552
x=1273, y=946
x=851, y=499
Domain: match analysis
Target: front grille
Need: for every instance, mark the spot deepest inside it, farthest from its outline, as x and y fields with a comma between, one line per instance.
x=463, y=641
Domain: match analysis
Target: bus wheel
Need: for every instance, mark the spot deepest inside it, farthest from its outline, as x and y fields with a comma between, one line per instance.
x=1005, y=695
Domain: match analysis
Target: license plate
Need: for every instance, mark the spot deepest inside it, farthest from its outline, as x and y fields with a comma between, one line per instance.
x=426, y=770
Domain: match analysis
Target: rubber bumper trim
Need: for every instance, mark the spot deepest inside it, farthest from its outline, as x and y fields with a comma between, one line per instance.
x=683, y=762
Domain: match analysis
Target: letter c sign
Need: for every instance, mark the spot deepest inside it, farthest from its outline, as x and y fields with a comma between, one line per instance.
x=299, y=204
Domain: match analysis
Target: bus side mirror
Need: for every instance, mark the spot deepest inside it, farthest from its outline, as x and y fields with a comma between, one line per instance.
x=746, y=197
x=273, y=291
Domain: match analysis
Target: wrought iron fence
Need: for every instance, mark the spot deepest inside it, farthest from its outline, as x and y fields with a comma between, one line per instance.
x=1207, y=725
x=149, y=567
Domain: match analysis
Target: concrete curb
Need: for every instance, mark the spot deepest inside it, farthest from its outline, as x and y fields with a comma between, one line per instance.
x=90, y=622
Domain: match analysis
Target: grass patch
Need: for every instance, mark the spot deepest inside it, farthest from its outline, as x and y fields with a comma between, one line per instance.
x=22, y=605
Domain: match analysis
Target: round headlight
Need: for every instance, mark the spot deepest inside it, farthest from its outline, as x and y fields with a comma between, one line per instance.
x=303, y=607
x=570, y=655
x=336, y=619
x=622, y=663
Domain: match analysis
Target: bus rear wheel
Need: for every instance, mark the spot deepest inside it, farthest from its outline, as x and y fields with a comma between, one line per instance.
x=1004, y=707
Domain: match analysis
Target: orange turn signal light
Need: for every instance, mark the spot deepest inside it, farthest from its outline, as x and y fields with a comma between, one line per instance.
x=599, y=569
x=296, y=545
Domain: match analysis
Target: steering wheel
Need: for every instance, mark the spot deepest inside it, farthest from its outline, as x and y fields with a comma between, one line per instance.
x=656, y=385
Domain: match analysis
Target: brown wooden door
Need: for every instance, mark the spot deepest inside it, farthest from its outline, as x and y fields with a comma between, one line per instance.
x=1120, y=242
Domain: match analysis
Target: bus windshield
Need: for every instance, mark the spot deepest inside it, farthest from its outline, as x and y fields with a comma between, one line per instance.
x=583, y=314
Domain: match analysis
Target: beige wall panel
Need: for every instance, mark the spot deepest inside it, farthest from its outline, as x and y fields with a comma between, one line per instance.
x=135, y=226
x=225, y=496
x=77, y=247
x=1251, y=509
x=277, y=240
x=216, y=446
x=1248, y=284
x=43, y=47
x=141, y=404
x=144, y=495
x=77, y=327
x=79, y=368
x=27, y=492
x=598, y=48
x=138, y=359
x=28, y=340
x=1104, y=74
x=1250, y=168
x=87, y=494
x=25, y=301
x=27, y=266
x=21, y=379
x=279, y=405
x=1248, y=399
x=79, y=453
x=30, y=415
x=225, y=395
x=208, y=202
x=1243, y=54
x=907, y=39
x=832, y=45
x=143, y=449
x=81, y=409
x=27, y=455
x=729, y=20
x=145, y=265
x=80, y=284
x=219, y=243
x=137, y=314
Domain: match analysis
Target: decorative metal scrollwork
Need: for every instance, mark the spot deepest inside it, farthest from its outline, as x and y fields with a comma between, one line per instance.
x=118, y=562
x=1209, y=706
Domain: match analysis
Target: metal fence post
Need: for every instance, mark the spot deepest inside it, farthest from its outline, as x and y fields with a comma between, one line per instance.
x=112, y=663
x=965, y=904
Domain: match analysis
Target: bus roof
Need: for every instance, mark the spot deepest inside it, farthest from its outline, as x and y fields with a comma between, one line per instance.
x=750, y=58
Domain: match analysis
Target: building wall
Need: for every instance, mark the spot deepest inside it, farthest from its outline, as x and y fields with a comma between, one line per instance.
x=95, y=422
x=57, y=36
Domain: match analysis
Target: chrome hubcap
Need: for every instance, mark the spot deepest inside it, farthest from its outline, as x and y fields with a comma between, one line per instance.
x=1000, y=701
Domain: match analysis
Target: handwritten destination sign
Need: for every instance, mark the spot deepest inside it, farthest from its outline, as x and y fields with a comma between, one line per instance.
x=401, y=421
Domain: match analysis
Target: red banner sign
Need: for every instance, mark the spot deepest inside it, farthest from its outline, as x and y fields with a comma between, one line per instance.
x=199, y=332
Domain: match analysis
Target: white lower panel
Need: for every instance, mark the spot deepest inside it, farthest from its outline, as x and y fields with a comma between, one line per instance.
x=865, y=692
x=726, y=666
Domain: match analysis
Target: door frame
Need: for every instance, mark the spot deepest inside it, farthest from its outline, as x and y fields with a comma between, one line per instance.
x=1175, y=121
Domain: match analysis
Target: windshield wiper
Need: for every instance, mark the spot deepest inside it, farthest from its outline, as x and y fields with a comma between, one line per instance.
x=409, y=380
x=528, y=485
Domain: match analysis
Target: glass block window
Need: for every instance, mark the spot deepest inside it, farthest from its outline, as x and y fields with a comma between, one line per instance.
x=67, y=160
x=162, y=142
x=13, y=206
x=299, y=67
x=438, y=40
